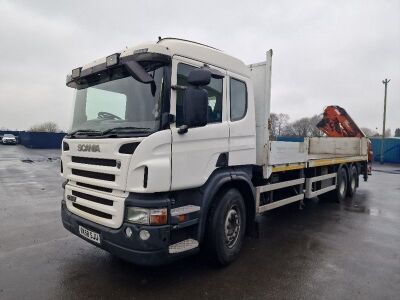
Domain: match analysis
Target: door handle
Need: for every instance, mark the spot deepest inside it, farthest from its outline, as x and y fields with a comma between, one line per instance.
x=183, y=129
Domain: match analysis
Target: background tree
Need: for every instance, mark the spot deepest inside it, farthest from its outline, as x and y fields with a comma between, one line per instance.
x=314, y=131
x=388, y=133
x=45, y=127
x=369, y=132
x=299, y=127
x=304, y=127
x=278, y=124
x=397, y=132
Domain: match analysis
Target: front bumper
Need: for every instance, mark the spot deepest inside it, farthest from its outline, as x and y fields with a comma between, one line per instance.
x=9, y=142
x=151, y=252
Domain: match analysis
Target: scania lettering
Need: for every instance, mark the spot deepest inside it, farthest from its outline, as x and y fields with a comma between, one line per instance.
x=169, y=153
x=89, y=148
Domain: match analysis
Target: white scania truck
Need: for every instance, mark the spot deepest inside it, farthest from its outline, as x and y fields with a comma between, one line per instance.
x=169, y=152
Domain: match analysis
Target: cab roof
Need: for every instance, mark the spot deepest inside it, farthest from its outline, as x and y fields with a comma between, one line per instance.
x=188, y=49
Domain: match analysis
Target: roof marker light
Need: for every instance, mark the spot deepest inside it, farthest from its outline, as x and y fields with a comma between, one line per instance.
x=76, y=73
x=143, y=50
x=112, y=60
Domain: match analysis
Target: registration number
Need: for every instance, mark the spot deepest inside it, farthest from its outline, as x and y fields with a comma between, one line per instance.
x=93, y=236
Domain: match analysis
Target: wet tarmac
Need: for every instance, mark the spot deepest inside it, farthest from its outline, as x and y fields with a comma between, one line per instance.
x=325, y=251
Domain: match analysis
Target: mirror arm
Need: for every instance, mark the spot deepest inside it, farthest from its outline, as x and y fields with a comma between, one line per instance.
x=138, y=72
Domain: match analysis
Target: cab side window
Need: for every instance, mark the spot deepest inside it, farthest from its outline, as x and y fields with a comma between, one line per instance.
x=238, y=95
x=214, y=89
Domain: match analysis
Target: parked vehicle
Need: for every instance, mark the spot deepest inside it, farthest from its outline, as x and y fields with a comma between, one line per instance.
x=169, y=152
x=9, y=139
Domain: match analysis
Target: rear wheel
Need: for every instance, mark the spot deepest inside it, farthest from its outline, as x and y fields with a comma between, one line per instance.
x=341, y=186
x=226, y=227
x=353, y=177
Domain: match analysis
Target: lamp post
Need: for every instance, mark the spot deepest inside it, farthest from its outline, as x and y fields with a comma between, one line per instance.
x=385, y=82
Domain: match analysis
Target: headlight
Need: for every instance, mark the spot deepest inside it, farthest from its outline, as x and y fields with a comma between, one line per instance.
x=138, y=215
x=146, y=216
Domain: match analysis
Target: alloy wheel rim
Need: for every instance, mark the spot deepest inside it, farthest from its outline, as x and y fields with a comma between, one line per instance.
x=232, y=226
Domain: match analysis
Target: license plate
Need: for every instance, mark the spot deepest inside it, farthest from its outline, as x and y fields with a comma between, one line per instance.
x=93, y=236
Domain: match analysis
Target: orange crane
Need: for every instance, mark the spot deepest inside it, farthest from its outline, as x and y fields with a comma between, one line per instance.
x=336, y=122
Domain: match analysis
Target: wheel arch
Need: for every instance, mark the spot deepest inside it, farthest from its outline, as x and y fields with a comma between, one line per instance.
x=221, y=180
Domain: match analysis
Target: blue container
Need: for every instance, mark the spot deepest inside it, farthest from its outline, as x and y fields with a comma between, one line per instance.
x=41, y=140
x=290, y=139
x=391, y=149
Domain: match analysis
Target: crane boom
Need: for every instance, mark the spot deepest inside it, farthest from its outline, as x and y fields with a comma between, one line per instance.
x=336, y=122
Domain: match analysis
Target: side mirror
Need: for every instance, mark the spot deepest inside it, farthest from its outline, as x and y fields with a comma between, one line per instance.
x=195, y=100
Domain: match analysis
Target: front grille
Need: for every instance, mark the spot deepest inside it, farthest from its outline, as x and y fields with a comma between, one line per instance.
x=94, y=175
x=93, y=198
x=94, y=161
x=92, y=211
x=94, y=187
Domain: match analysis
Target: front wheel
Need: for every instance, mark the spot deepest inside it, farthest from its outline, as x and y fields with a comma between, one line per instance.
x=226, y=227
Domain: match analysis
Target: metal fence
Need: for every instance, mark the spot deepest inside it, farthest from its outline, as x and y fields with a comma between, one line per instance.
x=37, y=140
x=391, y=149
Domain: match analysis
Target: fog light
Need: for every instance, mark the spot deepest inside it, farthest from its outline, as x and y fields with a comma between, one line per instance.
x=128, y=232
x=144, y=235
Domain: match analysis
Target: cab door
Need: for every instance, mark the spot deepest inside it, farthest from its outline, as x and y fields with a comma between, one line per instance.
x=242, y=140
x=196, y=152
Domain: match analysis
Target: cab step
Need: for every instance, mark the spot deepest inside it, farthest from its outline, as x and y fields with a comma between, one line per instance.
x=183, y=246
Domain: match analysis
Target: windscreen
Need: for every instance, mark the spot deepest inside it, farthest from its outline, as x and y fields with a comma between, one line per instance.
x=122, y=102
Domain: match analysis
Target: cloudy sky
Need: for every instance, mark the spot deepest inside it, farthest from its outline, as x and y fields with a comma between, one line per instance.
x=325, y=52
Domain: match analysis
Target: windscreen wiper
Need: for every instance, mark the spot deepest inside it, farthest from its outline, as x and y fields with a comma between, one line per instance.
x=86, y=132
x=125, y=129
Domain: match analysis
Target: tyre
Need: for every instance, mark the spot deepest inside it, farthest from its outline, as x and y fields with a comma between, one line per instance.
x=352, y=184
x=341, y=185
x=226, y=227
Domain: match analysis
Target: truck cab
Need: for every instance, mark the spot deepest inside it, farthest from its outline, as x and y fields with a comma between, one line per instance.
x=126, y=147
x=168, y=153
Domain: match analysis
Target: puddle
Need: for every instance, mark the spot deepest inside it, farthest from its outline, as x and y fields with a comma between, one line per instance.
x=387, y=171
x=28, y=161
x=372, y=211
x=48, y=159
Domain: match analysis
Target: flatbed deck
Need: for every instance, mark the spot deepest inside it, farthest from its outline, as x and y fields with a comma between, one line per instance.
x=317, y=160
x=316, y=152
